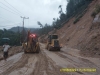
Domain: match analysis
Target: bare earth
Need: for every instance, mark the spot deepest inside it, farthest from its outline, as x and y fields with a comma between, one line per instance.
x=48, y=63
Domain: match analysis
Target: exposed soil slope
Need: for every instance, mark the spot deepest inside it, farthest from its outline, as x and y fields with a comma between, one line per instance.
x=84, y=35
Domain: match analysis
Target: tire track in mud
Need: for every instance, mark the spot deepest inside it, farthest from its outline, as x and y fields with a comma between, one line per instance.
x=82, y=63
x=69, y=66
x=77, y=61
x=81, y=60
x=17, y=65
x=86, y=61
x=46, y=66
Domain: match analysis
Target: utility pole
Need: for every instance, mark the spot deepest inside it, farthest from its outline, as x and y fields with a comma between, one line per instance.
x=18, y=35
x=23, y=27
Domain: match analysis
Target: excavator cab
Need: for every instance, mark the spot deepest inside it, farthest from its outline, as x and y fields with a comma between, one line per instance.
x=50, y=37
x=53, y=42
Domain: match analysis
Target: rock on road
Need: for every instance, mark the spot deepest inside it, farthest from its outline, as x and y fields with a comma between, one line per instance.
x=48, y=63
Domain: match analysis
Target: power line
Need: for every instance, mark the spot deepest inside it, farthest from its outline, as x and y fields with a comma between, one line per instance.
x=9, y=11
x=13, y=7
x=9, y=8
x=5, y=19
x=9, y=21
x=23, y=28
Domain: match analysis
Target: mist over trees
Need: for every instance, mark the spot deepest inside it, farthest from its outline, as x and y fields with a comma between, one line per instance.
x=73, y=8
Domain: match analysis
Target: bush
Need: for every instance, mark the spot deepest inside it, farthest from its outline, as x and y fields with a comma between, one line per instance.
x=97, y=8
x=93, y=14
x=96, y=11
x=77, y=19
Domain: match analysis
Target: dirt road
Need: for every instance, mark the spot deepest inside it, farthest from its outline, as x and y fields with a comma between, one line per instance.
x=48, y=63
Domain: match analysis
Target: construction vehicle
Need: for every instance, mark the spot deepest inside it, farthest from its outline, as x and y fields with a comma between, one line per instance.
x=53, y=42
x=32, y=44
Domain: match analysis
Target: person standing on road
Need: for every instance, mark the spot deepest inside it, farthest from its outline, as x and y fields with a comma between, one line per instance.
x=5, y=50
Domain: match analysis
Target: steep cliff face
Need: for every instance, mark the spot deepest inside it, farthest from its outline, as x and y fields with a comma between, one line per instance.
x=83, y=35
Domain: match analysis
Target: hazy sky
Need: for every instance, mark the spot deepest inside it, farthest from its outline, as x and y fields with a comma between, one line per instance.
x=37, y=10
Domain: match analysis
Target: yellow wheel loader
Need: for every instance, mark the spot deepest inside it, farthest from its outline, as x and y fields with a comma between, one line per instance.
x=32, y=44
x=53, y=42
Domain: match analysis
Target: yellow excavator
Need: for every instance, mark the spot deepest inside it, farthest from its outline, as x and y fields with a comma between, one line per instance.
x=32, y=44
x=53, y=42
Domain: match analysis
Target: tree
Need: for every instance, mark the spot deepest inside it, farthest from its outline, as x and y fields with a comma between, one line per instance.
x=60, y=12
x=39, y=23
x=14, y=37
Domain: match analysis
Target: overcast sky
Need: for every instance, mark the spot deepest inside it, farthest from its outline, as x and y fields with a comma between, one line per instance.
x=37, y=10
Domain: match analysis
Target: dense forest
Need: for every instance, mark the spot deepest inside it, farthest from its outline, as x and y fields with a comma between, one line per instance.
x=74, y=8
x=14, y=37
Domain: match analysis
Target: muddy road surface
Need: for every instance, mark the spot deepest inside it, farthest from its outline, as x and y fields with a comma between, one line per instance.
x=49, y=63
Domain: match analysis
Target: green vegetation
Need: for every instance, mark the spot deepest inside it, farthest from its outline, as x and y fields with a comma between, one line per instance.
x=76, y=20
x=44, y=30
x=96, y=11
x=14, y=37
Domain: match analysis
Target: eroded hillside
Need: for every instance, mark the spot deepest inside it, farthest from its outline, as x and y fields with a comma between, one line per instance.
x=83, y=35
